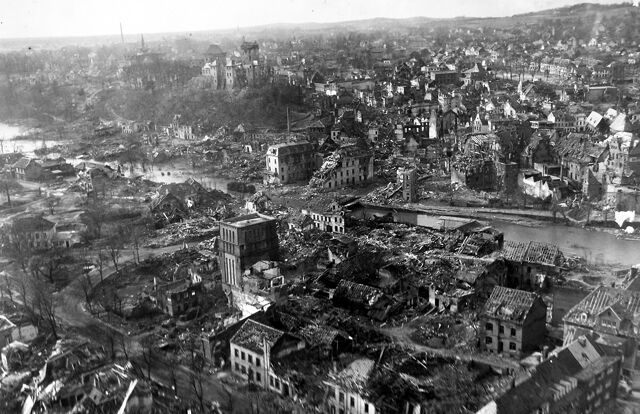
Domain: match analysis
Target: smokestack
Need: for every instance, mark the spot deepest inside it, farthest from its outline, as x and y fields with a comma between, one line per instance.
x=121, y=34
x=288, y=121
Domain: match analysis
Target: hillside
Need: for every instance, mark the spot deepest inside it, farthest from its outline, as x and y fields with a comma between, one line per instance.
x=588, y=13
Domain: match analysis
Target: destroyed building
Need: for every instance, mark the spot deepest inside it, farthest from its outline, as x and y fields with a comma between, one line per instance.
x=408, y=179
x=531, y=263
x=289, y=162
x=347, y=389
x=244, y=240
x=34, y=231
x=254, y=346
x=474, y=172
x=513, y=322
x=349, y=165
x=176, y=298
x=327, y=217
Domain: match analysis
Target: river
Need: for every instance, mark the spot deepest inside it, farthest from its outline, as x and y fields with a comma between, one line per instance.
x=178, y=172
x=25, y=146
x=597, y=247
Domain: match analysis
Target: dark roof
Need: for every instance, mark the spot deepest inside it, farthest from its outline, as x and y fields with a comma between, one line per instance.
x=165, y=197
x=31, y=224
x=510, y=304
x=182, y=190
x=578, y=147
x=214, y=50
x=22, y=163
x=532, y=252
x=320, y=335
x=357, y=292
x=252, y=335
x=557, y=376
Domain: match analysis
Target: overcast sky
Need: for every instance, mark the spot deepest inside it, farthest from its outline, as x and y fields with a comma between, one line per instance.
x=44, y=18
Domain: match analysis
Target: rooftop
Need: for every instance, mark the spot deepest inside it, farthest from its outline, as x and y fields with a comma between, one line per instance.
x=509, y=304
x=247, y=220
x=579, y=361
x=252, y=335
x=532, y=252
x=355, y=376
x=623, y=303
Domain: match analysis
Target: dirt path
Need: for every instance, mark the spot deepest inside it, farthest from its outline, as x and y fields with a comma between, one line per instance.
x=400, y=335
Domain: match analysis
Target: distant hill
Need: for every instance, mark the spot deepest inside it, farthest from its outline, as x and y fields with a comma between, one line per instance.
x=586, y=12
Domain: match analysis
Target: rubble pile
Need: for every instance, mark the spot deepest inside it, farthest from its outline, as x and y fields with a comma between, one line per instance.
x=328, y=166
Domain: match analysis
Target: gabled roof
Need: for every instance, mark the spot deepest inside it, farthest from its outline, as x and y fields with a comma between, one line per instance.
x=28, y=224
x=162, y=198
x=214, y=50
x=510, y=304
x=624, y=303
x=252, y=335
x=560, y=374
x=578, y=147
x=532, y=252
x=357, y=292
x=22, y=163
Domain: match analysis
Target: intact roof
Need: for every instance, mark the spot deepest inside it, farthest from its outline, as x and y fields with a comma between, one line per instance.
x=23, y=162
x=624, y=303
x=579, y=361
x=215, y=50
x=532, y=252
x=289, y=148
x=509, y=304
x=252, y=335
x=28, y=224
x=247, y=220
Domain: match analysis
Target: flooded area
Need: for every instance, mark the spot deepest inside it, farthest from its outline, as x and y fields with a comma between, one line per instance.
x=179, y=172
x=597, y=247
x=8, y=143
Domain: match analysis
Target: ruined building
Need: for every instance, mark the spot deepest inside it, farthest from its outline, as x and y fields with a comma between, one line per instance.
x=290, y=162
x=214, y=66
x=408, y=178
x=348, y=165
x=513, y=322
x=245, y=240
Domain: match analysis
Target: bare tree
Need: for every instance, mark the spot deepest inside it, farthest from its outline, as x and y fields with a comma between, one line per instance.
x=6, y=185
x=51, y=203
x=99, y=260
x=17, y=246
x=48, y=263
x=98, y=213
x=197, y=365
x=115, y=244
x=87, y=289
x=39, y=303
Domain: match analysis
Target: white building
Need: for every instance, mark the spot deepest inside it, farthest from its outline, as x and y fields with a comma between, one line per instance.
x=346, y=389
x=252, y=348
x=290, y=162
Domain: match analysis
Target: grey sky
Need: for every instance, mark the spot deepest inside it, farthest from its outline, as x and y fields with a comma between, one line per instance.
x=43, y=18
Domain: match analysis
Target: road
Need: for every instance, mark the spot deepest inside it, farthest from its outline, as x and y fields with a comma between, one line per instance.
x=400, y=335
x=72, y=313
